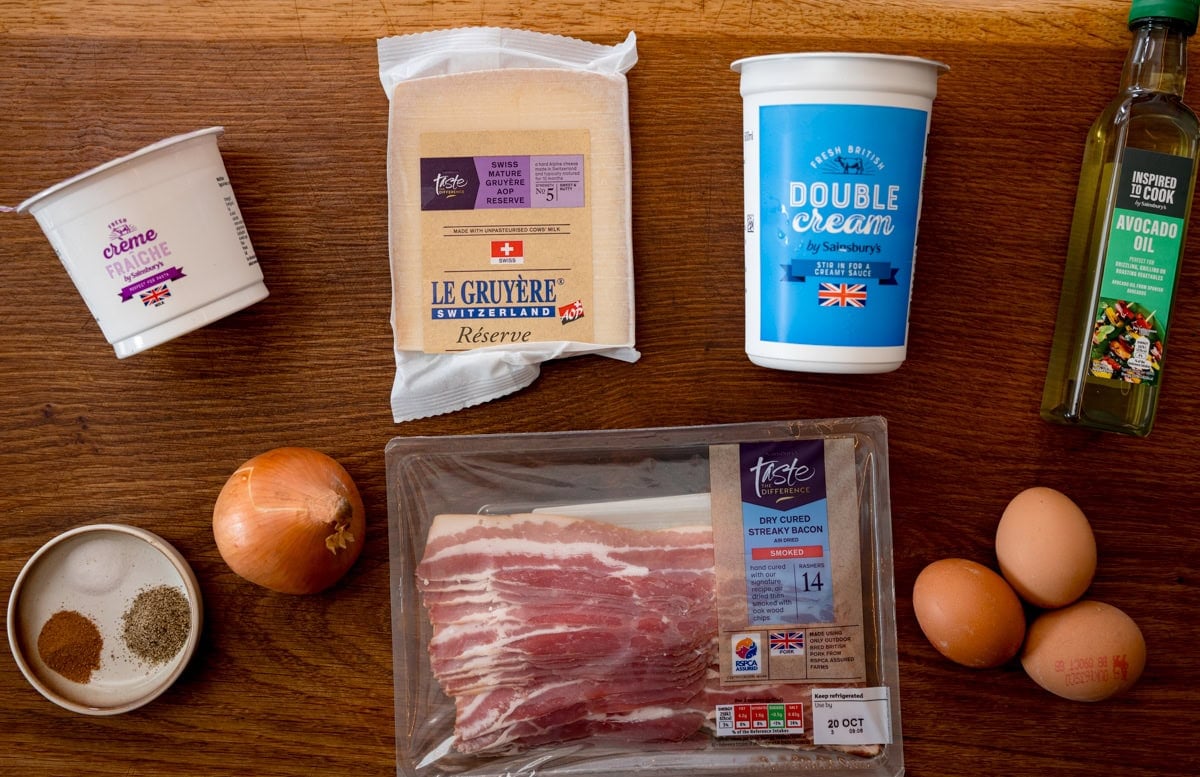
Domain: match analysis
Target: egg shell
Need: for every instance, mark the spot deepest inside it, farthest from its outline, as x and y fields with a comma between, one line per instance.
x=1046, y=548
x=968, y=612
x=1086, y=652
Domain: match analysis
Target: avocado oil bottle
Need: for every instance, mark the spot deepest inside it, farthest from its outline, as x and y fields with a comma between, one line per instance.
x=1131, y=211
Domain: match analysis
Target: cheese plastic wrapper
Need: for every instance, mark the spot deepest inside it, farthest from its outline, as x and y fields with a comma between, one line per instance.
x=509, y=222
x=681, y=602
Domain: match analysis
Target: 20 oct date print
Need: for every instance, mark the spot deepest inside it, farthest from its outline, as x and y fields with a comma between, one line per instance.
x=849, y=725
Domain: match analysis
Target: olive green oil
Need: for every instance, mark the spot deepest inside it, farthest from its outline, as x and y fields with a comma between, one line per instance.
x=1127, y=233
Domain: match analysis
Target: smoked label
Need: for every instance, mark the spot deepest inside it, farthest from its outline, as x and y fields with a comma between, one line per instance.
x=788, y=561
x=506, y=244
x=1145, y=238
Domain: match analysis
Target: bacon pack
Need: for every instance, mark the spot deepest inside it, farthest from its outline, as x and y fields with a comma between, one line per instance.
x=549, y=629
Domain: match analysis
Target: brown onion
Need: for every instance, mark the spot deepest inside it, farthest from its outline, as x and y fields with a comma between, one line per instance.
x=291, y=520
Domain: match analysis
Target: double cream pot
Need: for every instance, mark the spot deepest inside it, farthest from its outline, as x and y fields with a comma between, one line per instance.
x=834, y=166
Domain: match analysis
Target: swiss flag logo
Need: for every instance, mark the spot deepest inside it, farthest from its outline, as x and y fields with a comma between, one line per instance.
x=507, y=251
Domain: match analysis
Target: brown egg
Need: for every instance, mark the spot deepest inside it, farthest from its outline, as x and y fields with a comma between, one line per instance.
x=968, y=613
x=1046, y=548
x=1086, y=652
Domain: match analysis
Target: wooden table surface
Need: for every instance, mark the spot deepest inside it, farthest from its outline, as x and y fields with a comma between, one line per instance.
x=298, y=686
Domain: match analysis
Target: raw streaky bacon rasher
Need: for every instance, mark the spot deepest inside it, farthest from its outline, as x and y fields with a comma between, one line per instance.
x=549, y=628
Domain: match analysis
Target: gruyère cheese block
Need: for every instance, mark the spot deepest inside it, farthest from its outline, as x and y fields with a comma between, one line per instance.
x=509, y=196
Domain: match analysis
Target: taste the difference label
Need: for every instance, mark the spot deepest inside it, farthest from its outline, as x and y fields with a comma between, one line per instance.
x=788, y=561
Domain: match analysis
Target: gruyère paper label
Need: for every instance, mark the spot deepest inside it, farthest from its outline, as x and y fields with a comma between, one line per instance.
x=506, y=239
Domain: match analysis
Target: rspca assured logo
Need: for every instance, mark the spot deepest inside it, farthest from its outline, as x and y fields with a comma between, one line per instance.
x=747, y=654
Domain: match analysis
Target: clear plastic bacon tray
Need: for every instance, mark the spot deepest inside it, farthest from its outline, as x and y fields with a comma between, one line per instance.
x=514, y=574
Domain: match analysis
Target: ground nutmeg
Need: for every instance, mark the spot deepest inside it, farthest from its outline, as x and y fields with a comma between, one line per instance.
x=70, y=644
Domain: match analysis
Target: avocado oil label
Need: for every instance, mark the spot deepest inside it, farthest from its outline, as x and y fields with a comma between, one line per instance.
x=1145, y=238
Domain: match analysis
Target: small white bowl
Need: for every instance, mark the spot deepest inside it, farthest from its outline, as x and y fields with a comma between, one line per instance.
x=98, y=570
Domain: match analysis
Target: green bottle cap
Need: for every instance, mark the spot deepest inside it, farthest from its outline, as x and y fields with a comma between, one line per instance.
x=1184, y=10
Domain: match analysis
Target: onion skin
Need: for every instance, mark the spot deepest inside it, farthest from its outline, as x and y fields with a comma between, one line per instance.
x=290, y=520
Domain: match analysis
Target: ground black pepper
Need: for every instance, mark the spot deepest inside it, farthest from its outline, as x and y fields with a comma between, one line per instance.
x=70, y=644
x=157, y=623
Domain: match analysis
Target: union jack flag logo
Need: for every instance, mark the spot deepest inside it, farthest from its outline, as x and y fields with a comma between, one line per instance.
x=843, y=295
x=786, y=643
x=155, y=296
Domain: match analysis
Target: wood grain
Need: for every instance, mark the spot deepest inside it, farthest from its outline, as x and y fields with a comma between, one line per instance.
x=341, y=20
x=286, y=686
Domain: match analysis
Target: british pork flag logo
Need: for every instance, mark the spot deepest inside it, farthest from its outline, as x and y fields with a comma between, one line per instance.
x=156, y=296
x=843, y=295
x=787, y=643
x=508, y=252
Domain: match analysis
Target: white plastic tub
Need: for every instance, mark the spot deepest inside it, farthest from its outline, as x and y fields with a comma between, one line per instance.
x=834, y=162
x=154, y=241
